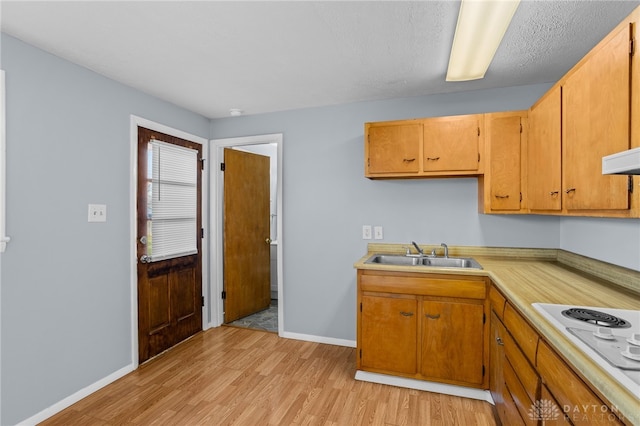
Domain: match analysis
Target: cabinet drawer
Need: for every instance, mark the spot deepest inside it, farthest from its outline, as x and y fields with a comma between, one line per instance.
x=549, y=410
x=525, y=372
x=524, y=335
x=497, y=301
x=578, y=401
x=519, y=395
x=510, y=416
x=421, y=285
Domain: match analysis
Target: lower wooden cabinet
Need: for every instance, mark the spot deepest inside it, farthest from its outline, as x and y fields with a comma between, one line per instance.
x=423, y=326
x=530, y=383
x=388, y=332
x=576, y=399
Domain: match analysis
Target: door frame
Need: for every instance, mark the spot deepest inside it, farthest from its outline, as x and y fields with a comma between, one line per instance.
x=216, y=177
x=136, y=121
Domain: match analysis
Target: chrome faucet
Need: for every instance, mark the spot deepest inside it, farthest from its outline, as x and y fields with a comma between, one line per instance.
x=420, y=252
x=446, y=250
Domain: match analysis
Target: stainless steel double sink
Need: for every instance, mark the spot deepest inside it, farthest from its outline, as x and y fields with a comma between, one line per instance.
x=411, y=260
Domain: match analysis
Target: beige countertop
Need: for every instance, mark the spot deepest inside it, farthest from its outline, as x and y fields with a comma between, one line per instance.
x=527, y=276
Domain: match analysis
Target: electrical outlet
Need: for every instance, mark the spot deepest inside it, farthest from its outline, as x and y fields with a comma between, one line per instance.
x=366, y=232
x=377, y=232
x=97, y=213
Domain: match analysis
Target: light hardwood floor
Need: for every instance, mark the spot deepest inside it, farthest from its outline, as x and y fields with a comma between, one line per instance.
x=235, y=376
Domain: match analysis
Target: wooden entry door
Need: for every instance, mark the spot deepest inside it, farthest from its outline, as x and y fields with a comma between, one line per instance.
x=247, y=266
x=169, y=287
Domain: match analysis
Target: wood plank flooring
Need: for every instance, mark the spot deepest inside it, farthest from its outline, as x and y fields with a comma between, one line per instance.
x=235, y=376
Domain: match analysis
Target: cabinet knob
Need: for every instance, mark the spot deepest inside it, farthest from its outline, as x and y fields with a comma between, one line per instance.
x=433, y=158
x=406, y=314
x=499, y=341
x=436, y=316
x=408, y=160
x=502, y=196
x=553, y=193
x=570, y=190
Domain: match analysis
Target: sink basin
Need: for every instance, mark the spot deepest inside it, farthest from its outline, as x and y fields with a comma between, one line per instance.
x=442, y=262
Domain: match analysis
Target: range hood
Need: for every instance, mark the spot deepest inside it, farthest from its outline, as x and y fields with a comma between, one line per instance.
x=622, y=163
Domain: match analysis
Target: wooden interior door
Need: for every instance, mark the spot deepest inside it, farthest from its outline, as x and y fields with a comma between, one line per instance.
x=247, y=268
x=169, y=291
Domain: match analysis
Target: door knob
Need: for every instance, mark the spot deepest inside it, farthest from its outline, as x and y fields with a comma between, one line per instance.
x=267, y=240
x=145, y=259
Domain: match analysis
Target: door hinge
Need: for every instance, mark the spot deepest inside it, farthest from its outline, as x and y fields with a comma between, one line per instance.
x=222, y=167
x=224, y=294
x=201, y=232
x=202, y=300
x=630, y=184
x=632, y=46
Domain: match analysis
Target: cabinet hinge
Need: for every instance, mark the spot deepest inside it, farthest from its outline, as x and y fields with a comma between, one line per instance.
x=222, y=167
x=202, y=300
x=360, y=307
x=484, y=318
x=360, y=353
x=630, y=184
x=224, y=294
x=520, y=127
x=478, y=130
x=632, y=46
x=521, y=197
x=483, y=371
x=478, y=157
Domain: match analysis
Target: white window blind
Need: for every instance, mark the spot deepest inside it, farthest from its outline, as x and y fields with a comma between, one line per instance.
x=172, y=201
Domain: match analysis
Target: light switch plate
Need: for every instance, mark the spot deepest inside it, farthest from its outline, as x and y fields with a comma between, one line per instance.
x=366, y=232
x=377, y=232
x=97, y=212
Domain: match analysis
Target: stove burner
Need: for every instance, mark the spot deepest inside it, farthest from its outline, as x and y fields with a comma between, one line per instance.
x=596, y=317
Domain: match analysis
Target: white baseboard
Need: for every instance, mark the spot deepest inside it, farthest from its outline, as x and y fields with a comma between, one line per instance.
x=319, y=339
x=72, y=399
x=403, y=382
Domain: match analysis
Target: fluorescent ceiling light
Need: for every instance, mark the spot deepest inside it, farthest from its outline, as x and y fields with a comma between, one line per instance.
x=481, y=26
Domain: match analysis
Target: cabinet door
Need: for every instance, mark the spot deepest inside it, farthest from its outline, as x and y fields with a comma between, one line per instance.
x=496, y=366
x=504, y=139
x=544, y=153
x=389, y=333
x=393, y=148
x=452, y=341
x=596, y=123
x=452, y=143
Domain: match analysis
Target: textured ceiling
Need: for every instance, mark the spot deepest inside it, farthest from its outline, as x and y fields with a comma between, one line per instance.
x=210, y=56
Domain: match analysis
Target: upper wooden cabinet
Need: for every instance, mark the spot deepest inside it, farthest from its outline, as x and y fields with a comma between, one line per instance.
x=595, y=117
x=500, y=189
x=393, y=148
x=452, y=143
x=440, y=146
x=544, y=154
x=584, y=117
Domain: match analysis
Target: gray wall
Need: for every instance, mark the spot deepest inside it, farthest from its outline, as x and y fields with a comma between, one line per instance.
x=66, y=319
